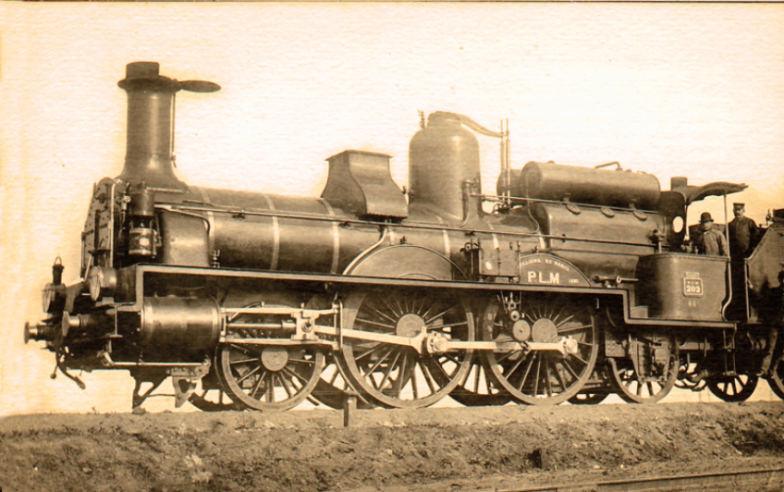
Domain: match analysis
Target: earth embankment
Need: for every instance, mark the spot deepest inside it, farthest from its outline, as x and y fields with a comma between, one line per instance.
x=431, y=449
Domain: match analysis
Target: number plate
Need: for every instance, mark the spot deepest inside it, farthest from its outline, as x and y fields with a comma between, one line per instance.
x=692, y=287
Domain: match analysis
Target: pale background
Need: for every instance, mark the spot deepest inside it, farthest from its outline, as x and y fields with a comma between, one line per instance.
x=672, y=89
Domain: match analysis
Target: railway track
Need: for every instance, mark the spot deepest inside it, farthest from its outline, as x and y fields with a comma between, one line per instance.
x=768, y=480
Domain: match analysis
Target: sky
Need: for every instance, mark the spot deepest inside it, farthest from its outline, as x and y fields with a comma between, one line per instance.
x=692, y=90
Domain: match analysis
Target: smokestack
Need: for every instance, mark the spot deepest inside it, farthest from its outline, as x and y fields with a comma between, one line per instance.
x=149, y=155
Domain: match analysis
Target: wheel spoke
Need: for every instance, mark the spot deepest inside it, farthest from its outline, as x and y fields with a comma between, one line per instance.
x=389, y=306
x=568, y=367
x=560, y=378
x=252, y=394
x=538, y=376
x=249, y=374
x=511, y=371
x=371, y=351
x=439, y=315
x=564, y=321
x=380, y=313
x=414, y=387
x=442, y=327
x=428, y=377
x=389, y=371
x=369, y=322
x=451, y=358
x=285, y=385
x=527, y=371
x=270, y=389
x=575, y=356
x=379, y=362
x=294, y=375
x=402, y=375
x=574, y=328
x=547, y=380
x=244, y=361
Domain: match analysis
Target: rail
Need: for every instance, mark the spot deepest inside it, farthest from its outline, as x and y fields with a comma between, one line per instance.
x=769, y=480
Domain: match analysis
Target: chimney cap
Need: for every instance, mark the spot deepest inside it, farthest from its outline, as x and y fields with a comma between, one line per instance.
x=145, y=75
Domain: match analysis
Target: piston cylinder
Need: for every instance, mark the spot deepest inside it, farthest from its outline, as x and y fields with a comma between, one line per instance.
x=170, y=322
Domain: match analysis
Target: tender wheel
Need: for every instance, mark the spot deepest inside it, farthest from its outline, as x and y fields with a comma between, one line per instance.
x=478, y=389
x=688, y=370
x=396, y=376
x=649, y=373
x=541, y=377
x=270, y=377
x=733, y=388
x=212, y=400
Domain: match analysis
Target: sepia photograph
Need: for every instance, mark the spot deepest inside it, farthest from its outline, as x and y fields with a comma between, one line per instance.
x=391, y=246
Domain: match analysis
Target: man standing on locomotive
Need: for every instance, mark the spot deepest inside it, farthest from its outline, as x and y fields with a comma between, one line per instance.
x=743, y=232
x=743, y=238
x=710, y=242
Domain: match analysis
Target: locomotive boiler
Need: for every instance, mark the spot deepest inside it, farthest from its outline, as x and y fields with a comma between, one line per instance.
x=577, y=284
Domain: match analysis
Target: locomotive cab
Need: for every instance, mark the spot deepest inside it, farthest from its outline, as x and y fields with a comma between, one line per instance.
x=680, y=284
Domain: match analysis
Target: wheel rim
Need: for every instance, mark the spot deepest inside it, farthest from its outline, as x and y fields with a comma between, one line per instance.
x=733, y=388
x=270, y=377
x=540, y=377
x=396, y=376
x=651, y=386
x=478, y=389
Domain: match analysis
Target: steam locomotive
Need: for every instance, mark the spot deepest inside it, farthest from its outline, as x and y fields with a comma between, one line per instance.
x=569, y=283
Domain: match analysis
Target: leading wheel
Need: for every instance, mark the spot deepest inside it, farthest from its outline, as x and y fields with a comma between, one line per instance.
x=733, y=388
x=395, y=375
x=541, y=377
x=649, y=372
x=269, y=377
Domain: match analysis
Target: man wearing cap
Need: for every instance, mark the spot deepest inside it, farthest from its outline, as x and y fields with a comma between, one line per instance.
x=743, y=232
x=710, y=242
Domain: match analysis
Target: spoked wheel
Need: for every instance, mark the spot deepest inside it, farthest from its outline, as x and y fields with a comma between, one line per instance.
x=733, y=388
x=398, y=376
x=687, y=372
x=649, y=373
x=212, y=400
x=478, y=389
x=270, y=377
x=541, y=377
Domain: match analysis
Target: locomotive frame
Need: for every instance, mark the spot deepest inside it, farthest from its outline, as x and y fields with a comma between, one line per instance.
x=573, y=288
